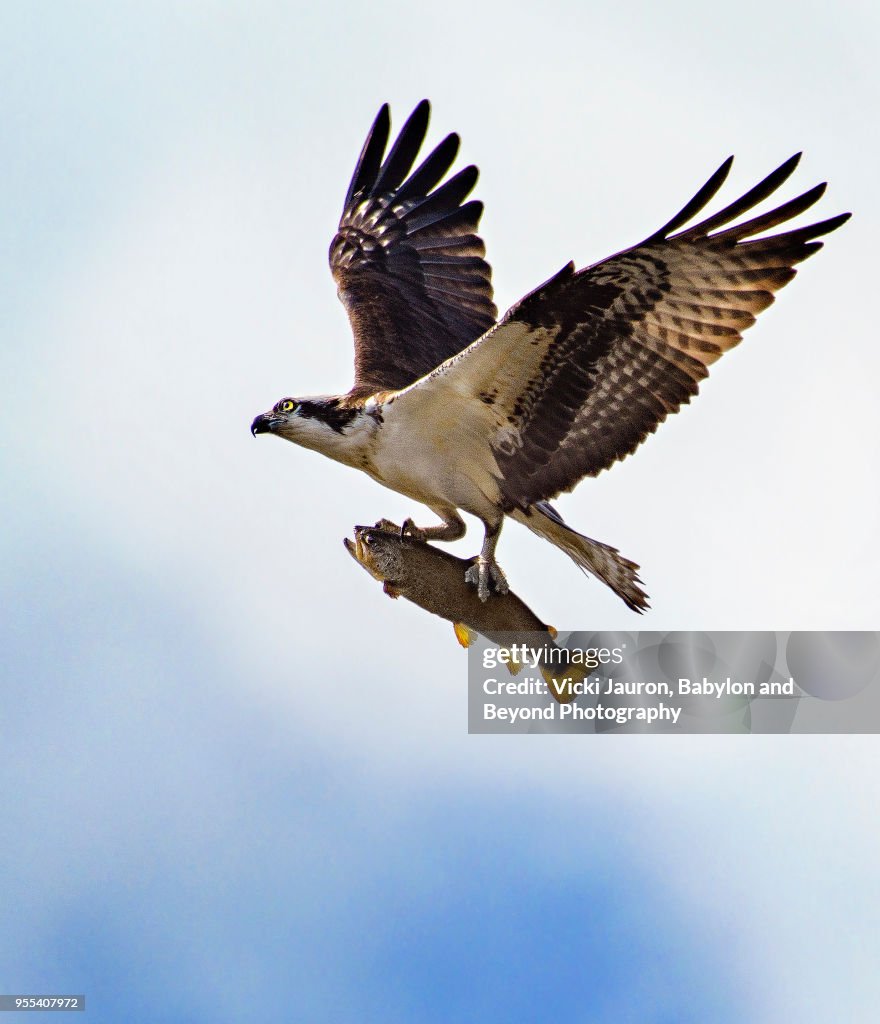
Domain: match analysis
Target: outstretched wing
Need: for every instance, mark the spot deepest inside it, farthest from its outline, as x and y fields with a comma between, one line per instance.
x=407, y=260
x=582, y=370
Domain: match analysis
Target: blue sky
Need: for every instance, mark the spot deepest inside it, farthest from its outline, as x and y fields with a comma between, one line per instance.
x=236, y=780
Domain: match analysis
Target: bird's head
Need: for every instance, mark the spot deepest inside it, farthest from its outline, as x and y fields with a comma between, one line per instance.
x=319, y=423
x=282, y=419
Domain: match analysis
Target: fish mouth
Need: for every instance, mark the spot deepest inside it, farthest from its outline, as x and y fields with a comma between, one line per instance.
x=360, y=550
x=265, y=423
x=353, y=547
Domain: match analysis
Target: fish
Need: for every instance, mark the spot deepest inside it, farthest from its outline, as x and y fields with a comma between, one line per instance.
x=435, y=581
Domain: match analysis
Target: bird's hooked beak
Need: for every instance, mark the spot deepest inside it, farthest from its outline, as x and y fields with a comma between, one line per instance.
x=265, y=423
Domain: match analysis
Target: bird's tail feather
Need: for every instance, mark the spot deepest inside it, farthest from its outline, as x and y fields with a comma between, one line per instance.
x=592, y=556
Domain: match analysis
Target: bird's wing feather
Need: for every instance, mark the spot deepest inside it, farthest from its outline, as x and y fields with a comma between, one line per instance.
x=407, y=260
x=582, y=370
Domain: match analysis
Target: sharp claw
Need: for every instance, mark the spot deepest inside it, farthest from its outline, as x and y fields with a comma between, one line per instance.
x=409, y=529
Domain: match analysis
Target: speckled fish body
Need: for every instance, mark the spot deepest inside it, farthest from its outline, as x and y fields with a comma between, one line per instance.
x=435, y=581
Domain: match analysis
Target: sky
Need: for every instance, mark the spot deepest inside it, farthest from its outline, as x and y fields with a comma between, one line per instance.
x=236, y=781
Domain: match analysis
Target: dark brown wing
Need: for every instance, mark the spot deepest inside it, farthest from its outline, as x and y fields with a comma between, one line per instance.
x=624, y=343
x=407, y=260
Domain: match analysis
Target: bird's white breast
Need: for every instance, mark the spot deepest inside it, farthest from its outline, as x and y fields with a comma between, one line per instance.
x=438, y=453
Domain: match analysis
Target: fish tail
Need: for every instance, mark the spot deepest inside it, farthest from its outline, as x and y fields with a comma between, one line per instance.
x=592, y=556
x=561, y=681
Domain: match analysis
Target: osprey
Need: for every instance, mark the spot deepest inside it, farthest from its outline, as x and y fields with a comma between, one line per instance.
x=460, y=412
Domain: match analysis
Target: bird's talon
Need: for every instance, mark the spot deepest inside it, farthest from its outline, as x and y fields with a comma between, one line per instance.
x=498, y=578
x=409, y=529
x=486, y=576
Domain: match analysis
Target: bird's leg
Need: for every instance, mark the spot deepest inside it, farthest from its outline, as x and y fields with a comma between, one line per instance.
x=452, y=528
x=486, y=572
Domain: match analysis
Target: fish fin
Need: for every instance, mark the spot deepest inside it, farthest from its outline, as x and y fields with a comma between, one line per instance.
x=558, y=681
x=463, y=634
x=390, y=591
x=553, y=631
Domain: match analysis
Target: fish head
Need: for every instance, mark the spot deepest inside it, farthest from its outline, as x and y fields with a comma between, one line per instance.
x=378, y=551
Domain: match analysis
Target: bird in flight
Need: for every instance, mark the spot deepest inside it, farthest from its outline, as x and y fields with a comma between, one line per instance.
x=460, y=411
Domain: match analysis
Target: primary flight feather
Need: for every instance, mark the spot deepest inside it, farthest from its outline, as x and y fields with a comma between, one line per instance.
x=459, y=412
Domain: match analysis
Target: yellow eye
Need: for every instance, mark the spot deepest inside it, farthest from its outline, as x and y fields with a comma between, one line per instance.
x=287, y=405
